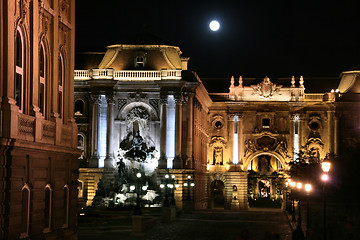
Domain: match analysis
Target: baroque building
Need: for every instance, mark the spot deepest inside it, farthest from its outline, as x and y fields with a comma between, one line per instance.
x=38, y=133
x=235, y=143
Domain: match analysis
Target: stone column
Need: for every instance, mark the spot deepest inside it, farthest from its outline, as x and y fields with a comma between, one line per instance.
x=109, y=160
x=331, y=131
x=94, y=159
x=302, y=133
x=292, y=135
x=241, y=139
x=178, y=105
x=162, y=161
x=190, y=113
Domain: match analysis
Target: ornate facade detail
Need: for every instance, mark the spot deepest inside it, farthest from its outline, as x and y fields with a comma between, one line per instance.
x=155, y=104
x=138, y=113
x=266, y=89
x=121, y=103
x=96, y=99
x=110, y=99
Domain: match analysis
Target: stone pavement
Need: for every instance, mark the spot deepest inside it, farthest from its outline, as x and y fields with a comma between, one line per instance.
x=206, y=225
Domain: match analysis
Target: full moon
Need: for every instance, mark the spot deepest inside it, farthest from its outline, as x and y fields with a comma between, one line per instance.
x=214, y=25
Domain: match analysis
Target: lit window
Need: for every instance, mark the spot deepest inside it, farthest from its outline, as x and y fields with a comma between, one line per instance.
x=61, y=86
x=20, y=69
x=43, y=80
x=140, y=63
x=266, y=123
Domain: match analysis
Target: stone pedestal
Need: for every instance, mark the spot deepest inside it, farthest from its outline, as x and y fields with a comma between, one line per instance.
x=168, y=214
x=188, y=206
x=137, y=226
x=235, y=205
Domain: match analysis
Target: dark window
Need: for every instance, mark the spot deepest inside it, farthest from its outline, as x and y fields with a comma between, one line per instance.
x=266, y=123
x=79, y=108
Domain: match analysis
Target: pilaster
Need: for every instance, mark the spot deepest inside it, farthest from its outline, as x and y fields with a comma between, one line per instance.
x=94, y=159
x=109, y=160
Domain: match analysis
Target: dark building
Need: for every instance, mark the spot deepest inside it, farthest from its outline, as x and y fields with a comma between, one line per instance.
x=38, y=134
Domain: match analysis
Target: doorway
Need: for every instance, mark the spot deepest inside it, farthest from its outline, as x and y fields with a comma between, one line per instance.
x=218, y=193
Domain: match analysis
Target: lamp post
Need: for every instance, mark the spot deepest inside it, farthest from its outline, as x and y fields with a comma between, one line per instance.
x=299, y=186
x=169, y=185
x=137, y=210
x=325, y=166
x=188, y=184
x=307, y=189
x=292, y=185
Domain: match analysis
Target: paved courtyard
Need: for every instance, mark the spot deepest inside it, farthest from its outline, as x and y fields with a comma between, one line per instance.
x=200, y=225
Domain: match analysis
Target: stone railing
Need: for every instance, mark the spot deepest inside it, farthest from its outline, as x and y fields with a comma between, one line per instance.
x=316, y=97
x=127, y=75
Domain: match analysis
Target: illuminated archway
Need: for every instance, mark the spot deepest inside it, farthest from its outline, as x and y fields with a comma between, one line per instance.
x=276, y=155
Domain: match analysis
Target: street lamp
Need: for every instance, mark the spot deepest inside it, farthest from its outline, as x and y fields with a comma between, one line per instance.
x=169, y=185
x=299, y=186
x=137, y=210
x=188, y=184
x=325, y=166
x=307, y=189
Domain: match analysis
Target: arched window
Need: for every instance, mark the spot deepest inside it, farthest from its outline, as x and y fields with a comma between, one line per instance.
x=47, y=209
x=66, y=206
x=79, y=107
x=20, y=68
x=25, y=211
x=43, y=79
x=61, y=85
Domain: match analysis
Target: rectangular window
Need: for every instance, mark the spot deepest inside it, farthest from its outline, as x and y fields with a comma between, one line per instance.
x=266, y=123
x=140, y=62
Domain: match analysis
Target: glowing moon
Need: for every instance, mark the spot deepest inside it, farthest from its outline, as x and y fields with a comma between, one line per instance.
x=214, y=25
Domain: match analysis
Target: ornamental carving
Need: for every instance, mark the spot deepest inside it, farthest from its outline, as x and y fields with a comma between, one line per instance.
x=266, y=89
x=138, y=113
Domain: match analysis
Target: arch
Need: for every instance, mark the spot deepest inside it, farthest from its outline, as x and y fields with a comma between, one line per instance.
x=217, y=190
x=66, y=206
x=270, y=153
x=48, y=206
x=25, y=213
x=127, y=108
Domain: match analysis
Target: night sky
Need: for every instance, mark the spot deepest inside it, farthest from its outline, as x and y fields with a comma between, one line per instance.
x=257, y=38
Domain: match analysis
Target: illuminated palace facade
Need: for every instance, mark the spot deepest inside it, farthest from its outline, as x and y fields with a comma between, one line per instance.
x=38, y=134
x=234, y=144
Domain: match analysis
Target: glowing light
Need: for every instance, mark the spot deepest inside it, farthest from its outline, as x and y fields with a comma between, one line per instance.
x=189, y=177
x=132, y=188
x=162, y=185
x=173, y=176
x=324, y=177
x=292, y=184
x=214, y=25
x=185, y=184
x=325, y=166
x=138, y=175
x=167, y=176
x=307, y=187
x=144, y=188
x=192, y=184
x=299, y=185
